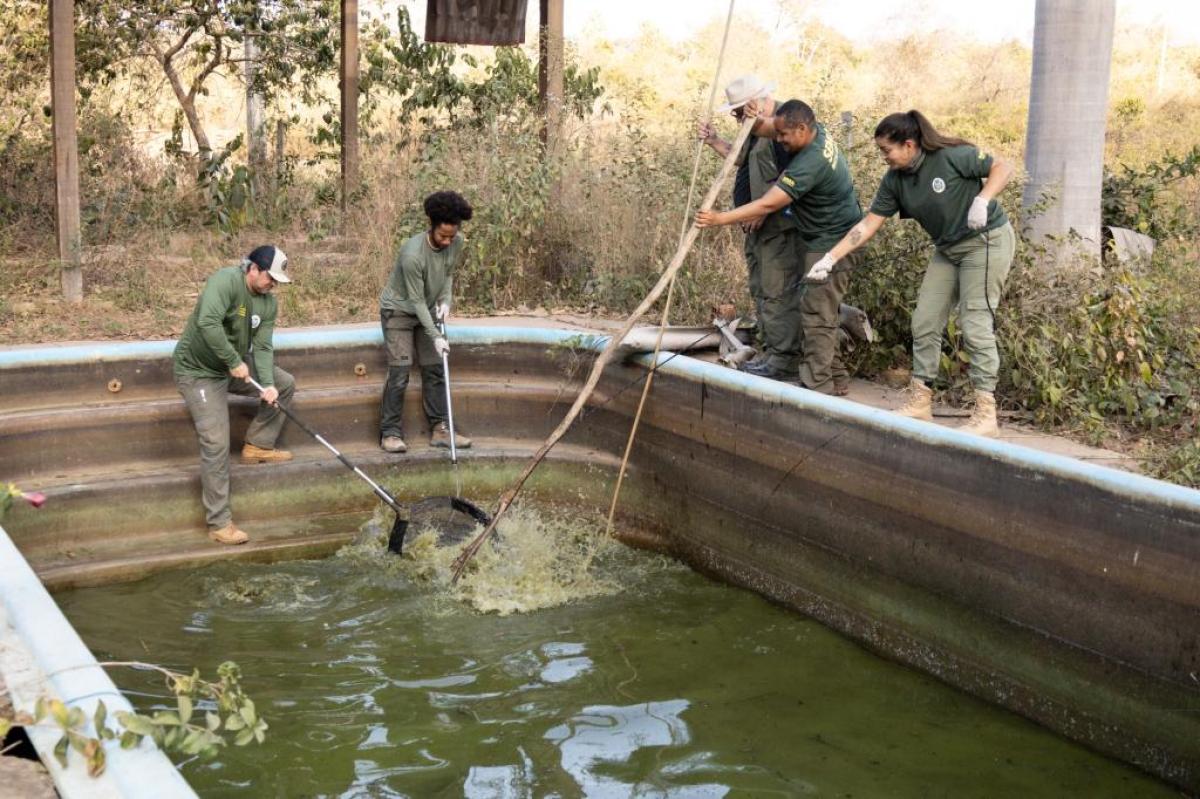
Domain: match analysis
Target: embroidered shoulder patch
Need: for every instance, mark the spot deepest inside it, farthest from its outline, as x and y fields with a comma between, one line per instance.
x=787, y=181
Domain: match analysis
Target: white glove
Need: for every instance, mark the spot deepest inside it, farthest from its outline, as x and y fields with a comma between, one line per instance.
x=977, y=216
x=443, y=311
x=442, y=346
x=821, y=269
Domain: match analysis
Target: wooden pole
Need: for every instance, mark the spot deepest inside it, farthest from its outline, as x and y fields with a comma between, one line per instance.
x=349, y=81
x=609, y=352
x=66, y=149
x=550, y=70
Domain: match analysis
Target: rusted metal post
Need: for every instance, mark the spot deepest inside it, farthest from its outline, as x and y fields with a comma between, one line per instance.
x=550, y=70
x=349, y=80
x=66, y=150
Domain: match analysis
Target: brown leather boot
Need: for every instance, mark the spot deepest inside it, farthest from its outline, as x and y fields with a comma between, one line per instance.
x=440, y=437
x=253, y=454
x=983, y=419
x=393, y=444
x=229, y=534
x=920, y=401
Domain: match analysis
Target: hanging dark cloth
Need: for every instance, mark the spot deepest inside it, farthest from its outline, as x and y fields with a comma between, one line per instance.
x=495, y=22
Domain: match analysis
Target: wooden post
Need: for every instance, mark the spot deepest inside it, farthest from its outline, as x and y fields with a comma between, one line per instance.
x=550, y=70
x=66, y=149
x=349, y=80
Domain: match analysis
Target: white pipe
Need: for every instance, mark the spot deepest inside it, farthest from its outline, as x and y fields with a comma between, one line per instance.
x=42, y=655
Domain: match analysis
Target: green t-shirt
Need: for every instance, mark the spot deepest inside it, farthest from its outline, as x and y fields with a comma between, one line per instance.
x=228, y=323
x=764, y=173
x=823, y=199
x=938, y=193
x=422, y=278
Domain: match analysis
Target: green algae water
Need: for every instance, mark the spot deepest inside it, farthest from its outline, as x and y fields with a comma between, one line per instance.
x=559, y=668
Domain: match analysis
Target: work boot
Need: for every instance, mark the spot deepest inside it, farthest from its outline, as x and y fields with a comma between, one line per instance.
x=229, y=534
x=253, y=454
x=841, y=386
x=440, y=437
x=983, y=419
x=765, y=369
x=393, y=444
x=920, y=401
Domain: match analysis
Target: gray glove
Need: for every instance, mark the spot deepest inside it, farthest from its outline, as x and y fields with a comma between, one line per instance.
x=442, y=346
x=820, y=270
x=977, y=216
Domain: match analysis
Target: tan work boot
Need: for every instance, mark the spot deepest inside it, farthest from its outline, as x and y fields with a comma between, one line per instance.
x=440, y=437
x=841, y=386
x=920, y=401
x=393, y=444
x=983, y=419
x=253, y=454
x=229, y=534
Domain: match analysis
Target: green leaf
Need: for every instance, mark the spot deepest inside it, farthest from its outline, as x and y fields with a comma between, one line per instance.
x=212, y=721
x=59, y=711
x=60, y=751
x=137, y=724
x=101, y=717
x=244, y=737
x=167, y=718
x=185, y=709
x=234, y=722
x=247, y=712
x=130, y=739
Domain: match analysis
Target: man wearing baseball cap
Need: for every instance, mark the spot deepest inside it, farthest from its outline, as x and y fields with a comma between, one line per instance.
x=228, y=333
x=773, y=247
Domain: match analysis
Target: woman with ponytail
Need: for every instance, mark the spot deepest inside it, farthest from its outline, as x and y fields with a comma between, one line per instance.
x=949, y=187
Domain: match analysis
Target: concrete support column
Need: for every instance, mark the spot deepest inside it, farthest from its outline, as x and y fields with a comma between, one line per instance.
x=66, y=150
x=550, y=70
x=349, y=83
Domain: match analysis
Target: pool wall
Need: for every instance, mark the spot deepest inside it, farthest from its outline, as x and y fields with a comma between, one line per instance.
x=1067, y=592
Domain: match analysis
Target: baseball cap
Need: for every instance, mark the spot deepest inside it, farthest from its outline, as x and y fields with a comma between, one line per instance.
x=273, y=260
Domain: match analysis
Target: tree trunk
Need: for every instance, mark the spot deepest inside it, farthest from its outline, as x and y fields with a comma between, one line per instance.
x=1068, y=108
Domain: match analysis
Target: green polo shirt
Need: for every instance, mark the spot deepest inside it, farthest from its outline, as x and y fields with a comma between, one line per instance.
x=823, y=200
x=422, y=278
x=227, y=320
x=938, y=193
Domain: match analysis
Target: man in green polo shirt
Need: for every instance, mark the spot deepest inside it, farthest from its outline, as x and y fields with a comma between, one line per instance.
x=418, y=291
x=231, y=328
x=818, y=186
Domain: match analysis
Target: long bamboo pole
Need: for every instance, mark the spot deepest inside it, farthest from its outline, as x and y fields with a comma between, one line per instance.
x=666, y=313
x=609, y=352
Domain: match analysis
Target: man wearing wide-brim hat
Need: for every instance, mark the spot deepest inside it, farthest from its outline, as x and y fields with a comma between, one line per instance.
x=230, y=329
x=773, y=246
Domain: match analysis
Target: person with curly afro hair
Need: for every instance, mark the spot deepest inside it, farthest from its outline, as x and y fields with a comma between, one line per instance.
x=418, y=293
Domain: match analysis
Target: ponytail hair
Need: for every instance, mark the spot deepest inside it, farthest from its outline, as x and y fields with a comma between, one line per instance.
x=900, y=127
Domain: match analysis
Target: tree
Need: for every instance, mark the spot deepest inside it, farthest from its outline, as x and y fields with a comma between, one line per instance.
x=1068, y=106
x=294, y=40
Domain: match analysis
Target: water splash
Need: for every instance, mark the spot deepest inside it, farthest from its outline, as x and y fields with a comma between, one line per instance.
x=541, y=557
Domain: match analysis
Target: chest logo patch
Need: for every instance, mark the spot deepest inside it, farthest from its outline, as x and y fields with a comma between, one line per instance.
x=255, y=321
x=938, y=185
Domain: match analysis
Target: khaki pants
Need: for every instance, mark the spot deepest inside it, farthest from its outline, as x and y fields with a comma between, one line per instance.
x=969, y=275
x=819, y=303
x=403, y=337
x=207, y=400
